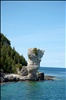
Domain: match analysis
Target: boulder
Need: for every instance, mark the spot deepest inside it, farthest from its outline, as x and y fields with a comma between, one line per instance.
x=49, y=78
x=40, y=76
x=24, y=71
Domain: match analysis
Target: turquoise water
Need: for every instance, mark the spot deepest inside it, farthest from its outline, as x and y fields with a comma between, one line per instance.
x=45, y=90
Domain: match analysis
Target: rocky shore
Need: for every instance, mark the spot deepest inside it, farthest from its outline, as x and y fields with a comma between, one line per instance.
x=29, y=72
x=16, y=77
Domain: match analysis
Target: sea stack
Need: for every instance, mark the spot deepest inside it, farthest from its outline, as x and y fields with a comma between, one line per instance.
x=34, y=59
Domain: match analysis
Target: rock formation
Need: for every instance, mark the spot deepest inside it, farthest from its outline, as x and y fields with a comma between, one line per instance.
x=40, y=76
x=29, y=72
x=34, y=59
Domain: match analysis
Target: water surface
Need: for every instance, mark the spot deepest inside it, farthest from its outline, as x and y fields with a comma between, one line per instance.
x=46, y=90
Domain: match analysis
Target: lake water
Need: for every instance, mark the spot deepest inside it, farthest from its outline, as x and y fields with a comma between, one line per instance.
x=45, y=90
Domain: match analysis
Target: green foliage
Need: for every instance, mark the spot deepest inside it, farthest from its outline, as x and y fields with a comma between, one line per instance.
x=35, y=51
x=9, y=57
x=4, y=40
x=19, y=66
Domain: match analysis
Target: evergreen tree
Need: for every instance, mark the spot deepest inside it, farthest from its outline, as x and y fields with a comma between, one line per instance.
x=9, y=57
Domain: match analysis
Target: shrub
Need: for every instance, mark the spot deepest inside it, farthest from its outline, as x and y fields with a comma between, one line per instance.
x=19, y=66
x=35, y=51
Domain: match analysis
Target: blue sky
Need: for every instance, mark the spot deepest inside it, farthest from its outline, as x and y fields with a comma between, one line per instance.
x=41, y=24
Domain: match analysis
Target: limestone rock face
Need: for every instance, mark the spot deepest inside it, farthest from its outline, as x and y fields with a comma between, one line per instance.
x=29, y=72
x=24, y=71
x=34, y=59
x=11, y=77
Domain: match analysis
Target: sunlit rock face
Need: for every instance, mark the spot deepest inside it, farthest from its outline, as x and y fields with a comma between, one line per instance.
x=34, y=59
x=24, y=71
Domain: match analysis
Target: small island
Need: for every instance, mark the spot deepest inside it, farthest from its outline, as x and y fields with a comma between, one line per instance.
x=24, y=71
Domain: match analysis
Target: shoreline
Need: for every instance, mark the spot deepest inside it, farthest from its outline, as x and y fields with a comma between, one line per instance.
x=8, y=78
